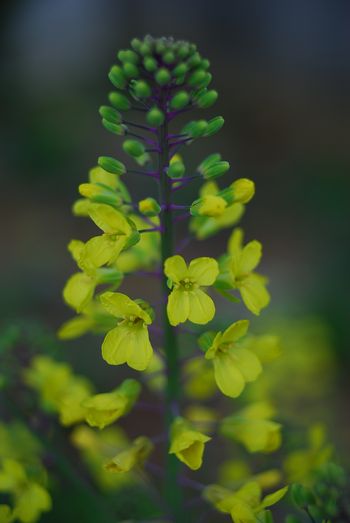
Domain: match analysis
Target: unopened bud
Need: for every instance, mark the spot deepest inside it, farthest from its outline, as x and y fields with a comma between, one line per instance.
x=243, y=190
x=119, y=101
x=155, y=117
x=117, y=77
x=180, y=100
x=214, y=125
x=110, y=114
x=142, y=89
x=206, y=99
x=111, y=165
x=149, y=207
x=176, y=170
x=162, y=76
x=133, y=148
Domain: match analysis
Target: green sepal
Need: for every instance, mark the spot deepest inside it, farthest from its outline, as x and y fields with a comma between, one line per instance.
x=227, y=295
x=215, y=170
x=214, y=125
x=208, y=162
x=205, y=340
x=119, y=101
x=111, y=165
x=106, y=275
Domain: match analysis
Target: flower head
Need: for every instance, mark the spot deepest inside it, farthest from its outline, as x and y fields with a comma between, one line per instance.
x=104, y=409
x=187, y=443
x=188, y=301
x=131, y=456
x=233, y=364
x=128, y=342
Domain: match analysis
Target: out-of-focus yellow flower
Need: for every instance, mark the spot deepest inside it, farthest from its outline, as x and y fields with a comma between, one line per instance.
x=234, y=473
x=104, y=409
x=188, y=301
x=205, y=226
x=132, y=456
x=187, y=443
x=203, y=418
x=234, y=365
x=93, y=318
x=6, y=515
x=236, y=271
x=253, y=428
x=155, y=373
x=145, y=253
x=29, y=497
x=199, y=379
x=244, y=505
x=300, y=464
x=128, y=342
x=210, y=205
x=267, y=347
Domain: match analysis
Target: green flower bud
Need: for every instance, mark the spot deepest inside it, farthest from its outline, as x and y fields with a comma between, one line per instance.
x=133, y=148
x=180, y=100
x=195, y=129
x=183, y=51
x=117, y=77
x=142, y=89
x=145, y=48
x=136, y=43
x=131, y=70
x=214, y=125
x=111, y=165
x=194, y=60
x=106, y=275
x=100, y=193
x=155, y=117
x=208, y=162
x=119, y=101
x=110, y=114
x=128, y=56
x=180, y=70
x=206, y=99
x=215, y=170
x=197, y=77
x=292, y=519
x=205, y=64
x=114, y=128
x=150, y=64
x=161, y=46
x=162, y=76
x=168, y=57
x=149, y=207
x=176, y=170
x=302, y=496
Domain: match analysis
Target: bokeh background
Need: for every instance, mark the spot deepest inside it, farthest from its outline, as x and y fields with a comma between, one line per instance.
x=282, y=70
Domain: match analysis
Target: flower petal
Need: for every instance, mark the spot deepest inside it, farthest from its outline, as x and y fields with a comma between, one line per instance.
x=201, y=307
x=250, y=256
x=228, y=378
x=235, y=331
x=247, y=363
x=79, y=290
x=254, y=293
x=141, y=355
x=121, y=306
x=108, y=219
x=203, y=271
x=175, y=268
x=178, y=306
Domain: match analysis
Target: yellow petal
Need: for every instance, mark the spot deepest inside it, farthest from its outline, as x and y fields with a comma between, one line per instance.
x=175, y=268
x=247, y=363
x=235, y=331
x=100, y=250
x=254, y=294
x=130, y=345
x=75, y=327
x=228, y=378
x=109, y=219
x=99, y=175
x=235, y=241
x=201, y=307
x=178, y=307
x=203, y=271
x=79, y=291
x=250, y=257
x=121, y=306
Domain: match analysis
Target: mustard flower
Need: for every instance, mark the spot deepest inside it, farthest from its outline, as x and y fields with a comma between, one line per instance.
x=129, y=341
x=103, y=409
x=188, y=301
x=253, y=428
x=234, y=365
x=245, y=504
x=132, y=456
x=187, y=443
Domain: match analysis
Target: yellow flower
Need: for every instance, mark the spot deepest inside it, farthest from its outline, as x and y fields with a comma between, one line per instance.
x=199, y=379
x=245, y=504
x=155, y=373
x=210, y=205
x=30, y=498
x=233, y=473
x=92, y=319
x=104, y=409
x=237, y=269
x=187, y=301
x=6, y=515
x=128, y=342
x=203, y=418
x=187, y=443
x=253, y=428
x=132, y=456
x=205, y=226
x=234, y=365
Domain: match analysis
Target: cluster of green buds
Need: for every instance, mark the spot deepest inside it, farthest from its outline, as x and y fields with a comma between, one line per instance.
x=155, y=81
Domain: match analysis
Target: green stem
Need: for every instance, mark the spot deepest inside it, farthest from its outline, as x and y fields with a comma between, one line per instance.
x=172, y=488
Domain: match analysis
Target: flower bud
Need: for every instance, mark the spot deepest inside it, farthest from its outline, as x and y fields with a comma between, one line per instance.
x=180, y=70
x=133, y=148
x=183, y=50
x=114, y=127
x=176, y=170
x=243, y=190
x=195, y=129
x=117, y=77
x=208, y=162
x=180, y=100
x=119, y=101
x=111, y=165
x=110, y=114
x=210, y=205
x=131, y=70
x=215, y=170
x=128, y=56
x=162, y=76
x=155, y=117
x=206, y=99
x=150, y=64
x=149, y=207
x=168, y=57
x=194, y=60
x=136, y=43
x=145, y=48
x=100, y=194
x=109, y=275
x=302, y=496
x=142, y=89
x=205, y=64
x=214, y=125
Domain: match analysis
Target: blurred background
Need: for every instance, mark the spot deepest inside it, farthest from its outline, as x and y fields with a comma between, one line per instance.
x=282, y=70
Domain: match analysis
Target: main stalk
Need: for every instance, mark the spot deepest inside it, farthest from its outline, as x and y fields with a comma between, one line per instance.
x=172, y=488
